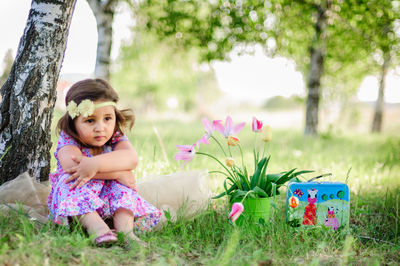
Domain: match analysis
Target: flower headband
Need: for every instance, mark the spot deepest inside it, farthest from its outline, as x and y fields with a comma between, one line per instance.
x=85, y=108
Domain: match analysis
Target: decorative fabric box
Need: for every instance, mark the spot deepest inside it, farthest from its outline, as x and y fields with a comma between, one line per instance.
x=318, y=204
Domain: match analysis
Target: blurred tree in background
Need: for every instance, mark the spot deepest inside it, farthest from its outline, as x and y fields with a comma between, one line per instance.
x=155, y=76
x=379, y=23
x=104, y=11
x=327, y=50
x=327, y=39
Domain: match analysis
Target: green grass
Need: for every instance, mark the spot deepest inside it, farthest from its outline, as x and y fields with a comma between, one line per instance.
x=369, y=163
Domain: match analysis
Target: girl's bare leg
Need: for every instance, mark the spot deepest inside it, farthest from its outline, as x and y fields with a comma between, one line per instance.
x=94, y=224
x=123, y=222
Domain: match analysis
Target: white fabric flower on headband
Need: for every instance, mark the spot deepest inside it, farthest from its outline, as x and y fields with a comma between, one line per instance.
x=72, y=109
x=85, y=108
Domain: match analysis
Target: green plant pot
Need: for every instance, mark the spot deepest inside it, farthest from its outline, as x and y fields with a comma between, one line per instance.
x=256, y=210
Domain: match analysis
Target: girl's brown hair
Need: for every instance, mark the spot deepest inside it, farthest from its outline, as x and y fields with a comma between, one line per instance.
x=94, y=90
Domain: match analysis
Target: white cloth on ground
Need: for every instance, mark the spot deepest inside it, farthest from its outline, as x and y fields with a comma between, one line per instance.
x=181, y=193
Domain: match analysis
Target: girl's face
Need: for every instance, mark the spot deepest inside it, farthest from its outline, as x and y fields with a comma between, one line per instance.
x=97, y=129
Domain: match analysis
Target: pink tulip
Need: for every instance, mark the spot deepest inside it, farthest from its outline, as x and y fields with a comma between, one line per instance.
x=204, y=140
x=257, y=125
x=208, y=127
x=229, y=128
x=237, y=209
x=186, y=153
x=209, y=131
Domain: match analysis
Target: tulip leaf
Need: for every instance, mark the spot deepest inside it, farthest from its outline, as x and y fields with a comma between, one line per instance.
x=273, y=177
x=238, y=194
x=257, y=172
x=244, y=181
x=263, y=171
x=302, y=172
x=226, y=192
x=267, y=189
x=260, y=192
x=285, y=177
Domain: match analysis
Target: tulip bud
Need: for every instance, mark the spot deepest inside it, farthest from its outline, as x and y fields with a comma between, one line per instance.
x=229, y=161
x=293, y=202
x=266, y=134
x=256, y=125
x=233, y=141
x=237, y=209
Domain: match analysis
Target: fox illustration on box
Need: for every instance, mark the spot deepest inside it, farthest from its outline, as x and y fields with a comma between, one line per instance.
x=310, y=213
x=324, y=204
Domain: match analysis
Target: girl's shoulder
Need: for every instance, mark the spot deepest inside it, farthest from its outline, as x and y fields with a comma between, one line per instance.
x=117, y=137
x=65, y=139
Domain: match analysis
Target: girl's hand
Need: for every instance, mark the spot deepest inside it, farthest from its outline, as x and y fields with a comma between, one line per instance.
x=83, y=172
x=127, y=179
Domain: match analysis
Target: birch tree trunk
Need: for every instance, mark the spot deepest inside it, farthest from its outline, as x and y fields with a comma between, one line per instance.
x=104, y=13
x=380, y=102
x=29, y=94
x=317, y=54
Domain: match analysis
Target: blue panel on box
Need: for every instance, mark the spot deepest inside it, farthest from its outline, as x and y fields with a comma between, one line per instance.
x=318, y=203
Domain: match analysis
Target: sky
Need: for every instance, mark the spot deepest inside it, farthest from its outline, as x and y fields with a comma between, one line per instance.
x=248, y=77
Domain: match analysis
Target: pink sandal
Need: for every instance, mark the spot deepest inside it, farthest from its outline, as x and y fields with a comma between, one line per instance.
x=106, y=240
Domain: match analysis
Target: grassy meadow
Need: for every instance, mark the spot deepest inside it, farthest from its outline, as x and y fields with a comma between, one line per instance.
x=370, y=164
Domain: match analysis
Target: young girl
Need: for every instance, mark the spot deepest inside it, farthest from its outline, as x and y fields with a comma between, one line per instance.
x=95, y=160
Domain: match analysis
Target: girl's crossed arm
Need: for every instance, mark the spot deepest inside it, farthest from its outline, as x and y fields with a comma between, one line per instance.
x=117, y=164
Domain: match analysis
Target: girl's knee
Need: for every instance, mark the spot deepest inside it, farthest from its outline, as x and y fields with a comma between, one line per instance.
x=123, y=211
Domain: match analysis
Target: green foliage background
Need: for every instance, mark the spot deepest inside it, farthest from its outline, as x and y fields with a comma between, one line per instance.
x=148, y=72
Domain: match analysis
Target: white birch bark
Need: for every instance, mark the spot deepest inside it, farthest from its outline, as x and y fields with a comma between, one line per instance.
x=29, y=94
x=104, y=11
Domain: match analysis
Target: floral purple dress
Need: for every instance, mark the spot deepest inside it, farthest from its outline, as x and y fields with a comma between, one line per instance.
x=103, y=196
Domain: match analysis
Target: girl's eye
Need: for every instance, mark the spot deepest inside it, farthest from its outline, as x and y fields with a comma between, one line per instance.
x=108, y=118
x=89, y=121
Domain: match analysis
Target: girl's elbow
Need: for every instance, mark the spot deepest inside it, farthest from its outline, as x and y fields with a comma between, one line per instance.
x=134, y=164
x=134, y=160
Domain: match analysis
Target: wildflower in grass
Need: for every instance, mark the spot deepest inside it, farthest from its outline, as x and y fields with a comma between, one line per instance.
x=256, y=126
x=229, y=129
x=237, y=209
x=230, y=162
x=266, y=134
x=233, y=141
x=186, y=153
x=293, y=202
